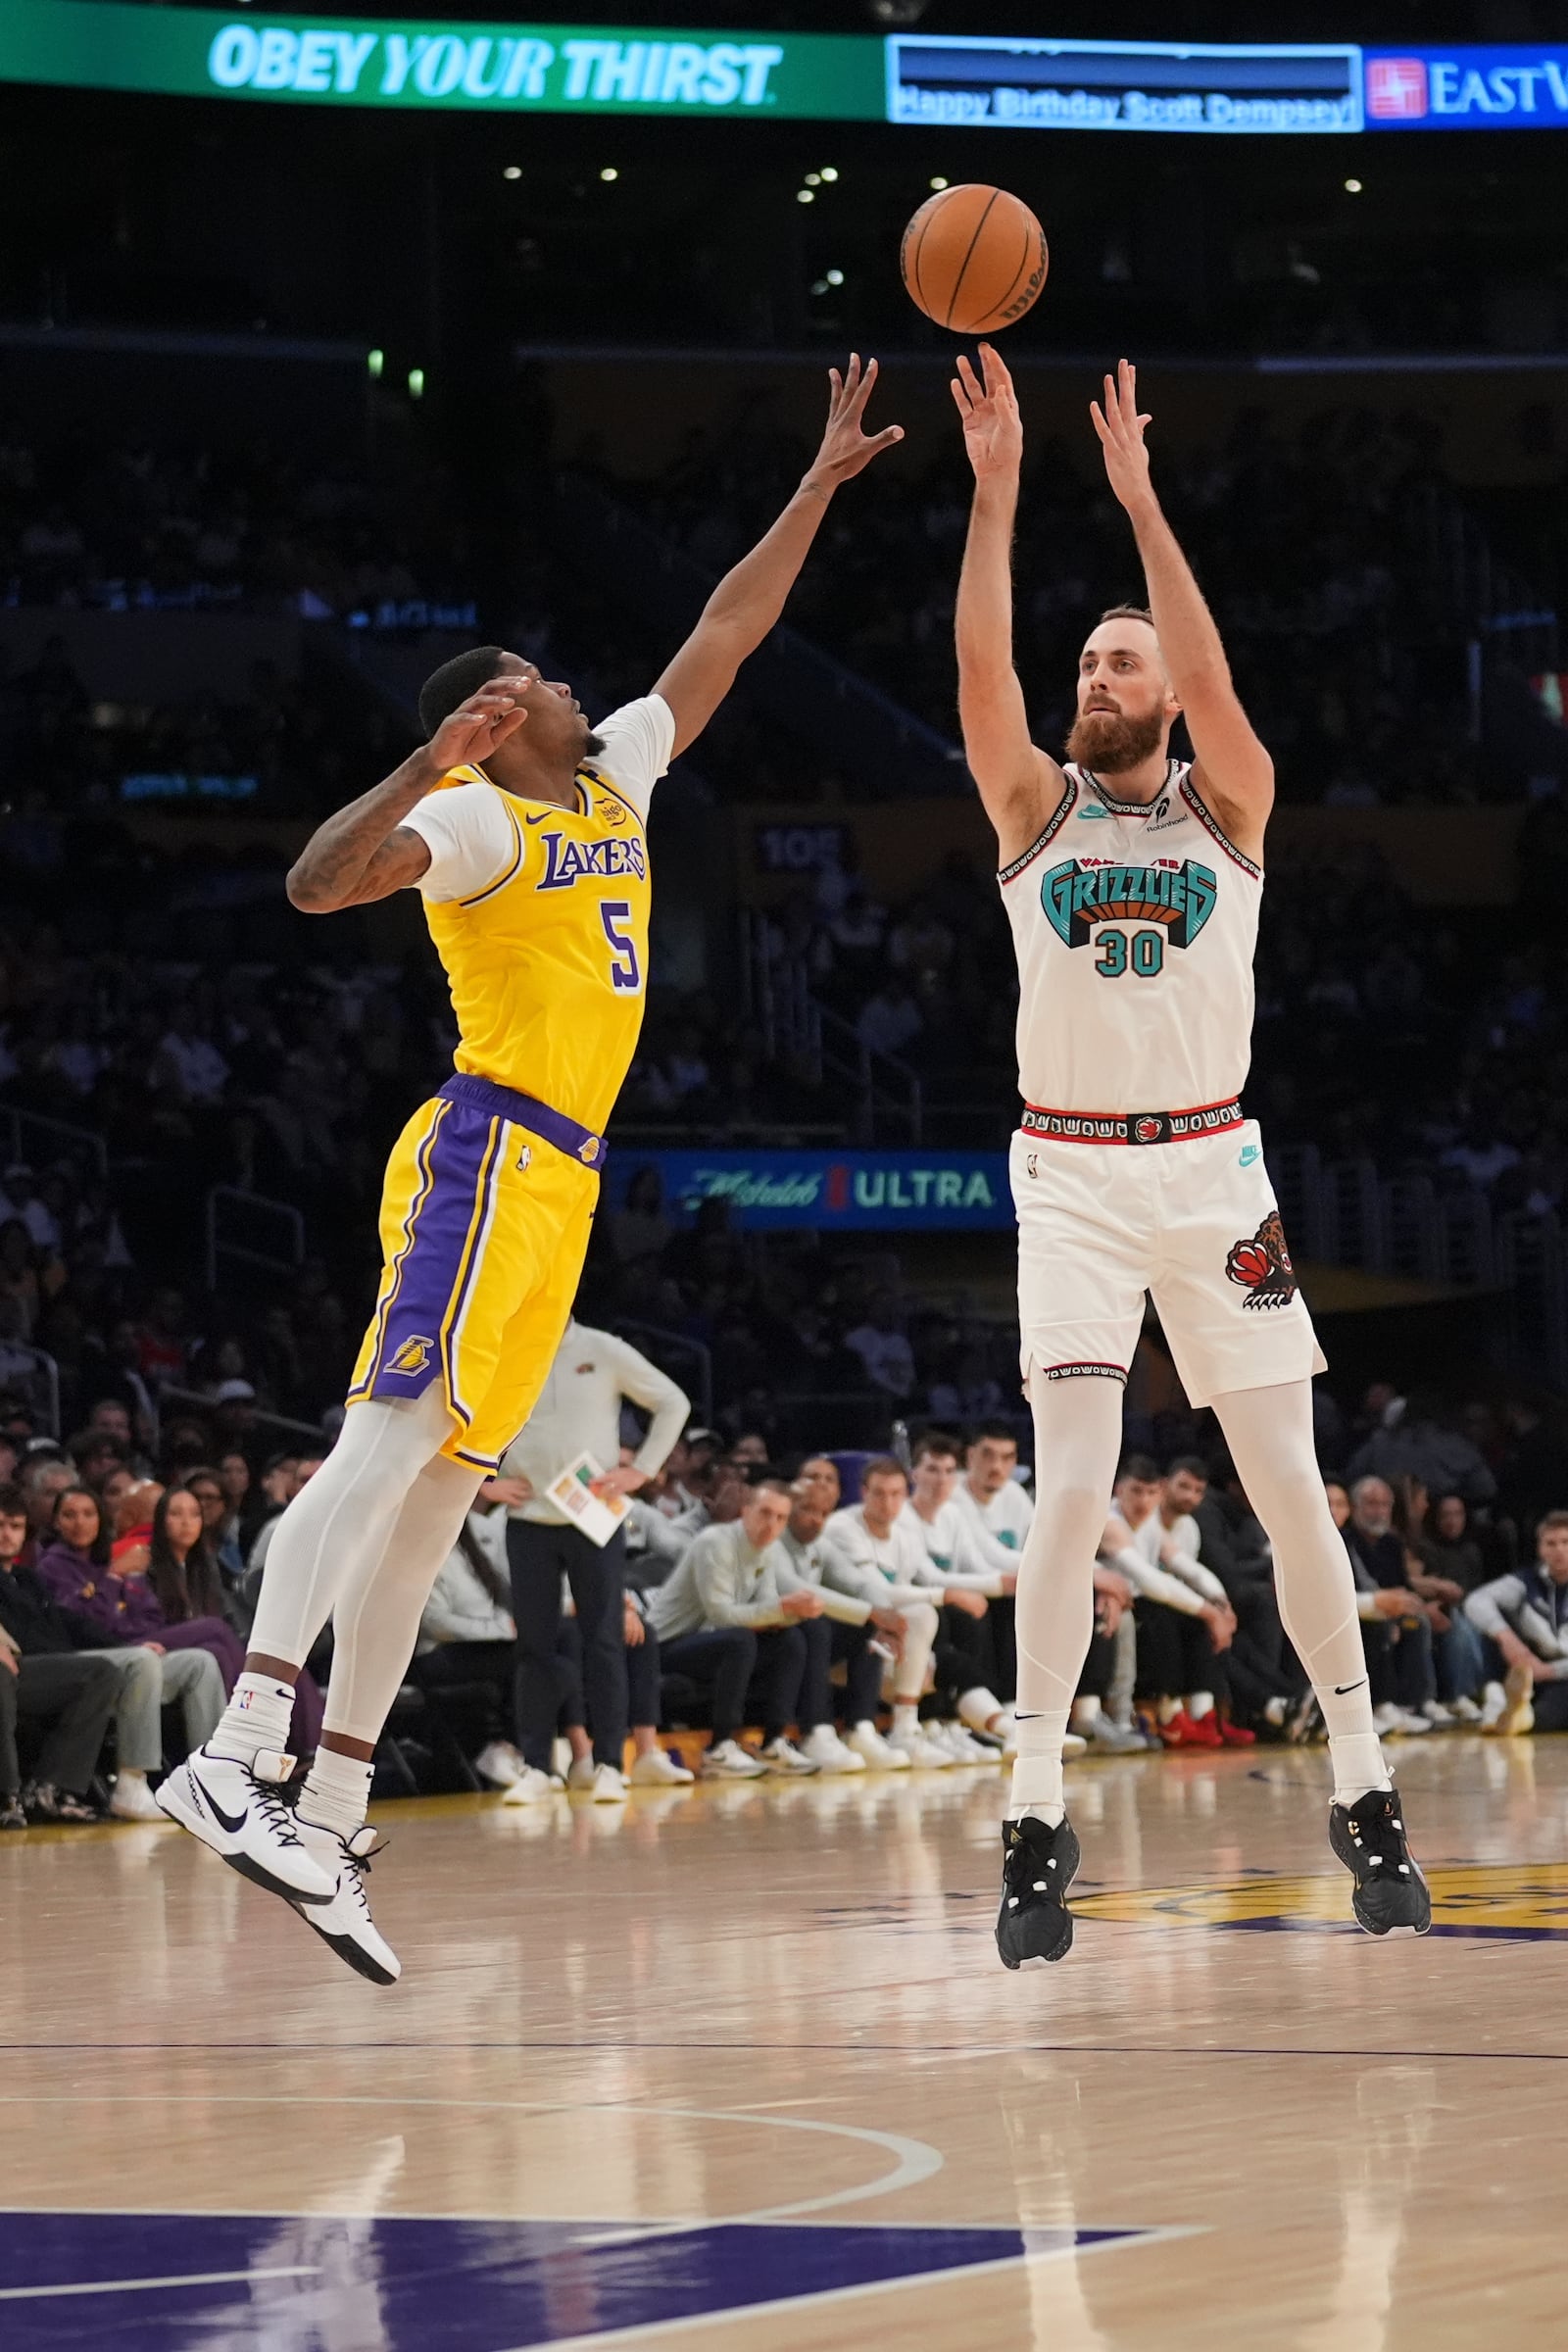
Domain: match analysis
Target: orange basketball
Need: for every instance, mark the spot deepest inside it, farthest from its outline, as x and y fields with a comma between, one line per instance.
x=973, y=259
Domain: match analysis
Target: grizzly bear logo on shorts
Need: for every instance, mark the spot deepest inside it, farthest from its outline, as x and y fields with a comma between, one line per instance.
x=1262, y=1266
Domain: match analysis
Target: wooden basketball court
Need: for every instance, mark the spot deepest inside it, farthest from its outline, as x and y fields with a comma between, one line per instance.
x=739, y=2069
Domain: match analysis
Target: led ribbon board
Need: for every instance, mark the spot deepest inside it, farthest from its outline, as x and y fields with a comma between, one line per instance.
x=1124, y=85
x=1255, y=90
x=511, y=68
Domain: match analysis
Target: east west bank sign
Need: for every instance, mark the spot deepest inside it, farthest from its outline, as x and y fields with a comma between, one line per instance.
x=1040, y=83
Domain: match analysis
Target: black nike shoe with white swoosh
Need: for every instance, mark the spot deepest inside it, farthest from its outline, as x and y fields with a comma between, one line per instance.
x=1038, y=1866
x=237, y=1809
x=1370, y=1840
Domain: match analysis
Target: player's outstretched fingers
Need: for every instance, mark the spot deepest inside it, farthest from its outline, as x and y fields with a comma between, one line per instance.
x=970, y=382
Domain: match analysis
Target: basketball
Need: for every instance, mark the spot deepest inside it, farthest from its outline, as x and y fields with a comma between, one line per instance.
x=973, y=259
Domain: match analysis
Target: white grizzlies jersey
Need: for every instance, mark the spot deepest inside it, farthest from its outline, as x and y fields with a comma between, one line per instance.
x=1135, y=930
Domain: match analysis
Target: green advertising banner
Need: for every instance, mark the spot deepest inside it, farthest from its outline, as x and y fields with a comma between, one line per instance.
x=347, y=61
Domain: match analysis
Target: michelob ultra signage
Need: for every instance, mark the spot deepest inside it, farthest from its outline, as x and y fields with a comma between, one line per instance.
x=917, y=1191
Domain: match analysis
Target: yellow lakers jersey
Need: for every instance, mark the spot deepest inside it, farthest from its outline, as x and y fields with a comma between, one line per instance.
x=548, y=964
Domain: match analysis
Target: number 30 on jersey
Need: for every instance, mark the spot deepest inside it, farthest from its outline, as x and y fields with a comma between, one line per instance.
x=1144, y=955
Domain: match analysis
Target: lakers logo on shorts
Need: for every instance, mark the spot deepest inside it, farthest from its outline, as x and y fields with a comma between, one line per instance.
x=413, y=1358
x=1262, y=1265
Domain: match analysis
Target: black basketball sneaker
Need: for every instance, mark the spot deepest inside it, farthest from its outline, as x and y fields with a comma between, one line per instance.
x=1038, y=1866
x=1369, y=1838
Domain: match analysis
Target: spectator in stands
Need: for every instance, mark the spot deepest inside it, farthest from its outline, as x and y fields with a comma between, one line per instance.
x=579, y=1415
x=45, y=1476
x=72, y=1695
x=989, y=1495
x=1396, y=1634
x=1447, y=1548
x=1264, y=1666
x=889, y=1554
x=864, y=1632
x=148, y=1676
x=883, y=1346
x=1414, y=1442
x=965, y=1661
x=468, y=1638
x=1523, y=1619
x=1383, y=1551
x=198, y=1612
x=732, y=1618
x=1185, y=1623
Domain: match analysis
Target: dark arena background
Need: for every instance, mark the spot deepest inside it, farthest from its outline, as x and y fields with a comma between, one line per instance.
x=332, y=347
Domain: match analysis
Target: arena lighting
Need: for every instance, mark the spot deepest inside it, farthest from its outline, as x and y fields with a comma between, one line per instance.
x=835, y=277
x=374, y=363
x=416, y=383
x=610, y=172
x=813, y=179
x=828, y=173
x=938, y=181
x=512, y=171
x=806, y=195
x=1353, y=187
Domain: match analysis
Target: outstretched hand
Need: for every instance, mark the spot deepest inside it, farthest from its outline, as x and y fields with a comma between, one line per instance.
x=480, y=725
x=1121, y=435
x=846, y=450
x=993, y=429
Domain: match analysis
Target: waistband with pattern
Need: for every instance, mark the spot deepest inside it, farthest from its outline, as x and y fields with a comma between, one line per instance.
x=1130, y=1126
x=553, y=1126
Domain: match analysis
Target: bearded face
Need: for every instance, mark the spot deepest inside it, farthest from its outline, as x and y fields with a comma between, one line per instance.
x=1111, y=744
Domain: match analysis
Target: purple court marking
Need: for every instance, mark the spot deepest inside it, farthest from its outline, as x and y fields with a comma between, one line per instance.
x=174, y=2283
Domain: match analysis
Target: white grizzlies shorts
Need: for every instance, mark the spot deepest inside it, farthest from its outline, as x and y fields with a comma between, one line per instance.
x=1192, y=1222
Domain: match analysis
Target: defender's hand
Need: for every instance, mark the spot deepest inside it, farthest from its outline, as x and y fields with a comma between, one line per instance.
x=1121, y=436
x=478, y=726
x=993, y=429
x=846, y=450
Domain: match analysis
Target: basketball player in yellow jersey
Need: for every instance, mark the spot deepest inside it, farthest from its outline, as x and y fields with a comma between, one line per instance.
x=524, y=830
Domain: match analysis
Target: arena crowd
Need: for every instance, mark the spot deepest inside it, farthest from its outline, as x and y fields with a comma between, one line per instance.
x=754, y=1612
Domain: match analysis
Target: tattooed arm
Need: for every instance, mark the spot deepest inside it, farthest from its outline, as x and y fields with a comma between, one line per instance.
x=365, y=852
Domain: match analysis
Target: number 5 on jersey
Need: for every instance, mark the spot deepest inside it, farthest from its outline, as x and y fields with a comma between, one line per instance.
x=624, y=970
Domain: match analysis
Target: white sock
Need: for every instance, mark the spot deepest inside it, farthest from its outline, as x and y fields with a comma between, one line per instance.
x=1167, y=1709
x=1037, y=1767
x=1275, y=1711
x=257, y=1717
x=1269, y=1432
x=336, y=1794
x=1086, y=1713
x=1358, y=1766
x=1200, y=1703
x=906, y=1716
x=979, y=1708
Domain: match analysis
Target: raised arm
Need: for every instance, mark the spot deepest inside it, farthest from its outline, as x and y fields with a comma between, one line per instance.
x=365, y=852
x=749, y=600
x=1233, y=771
x=1018, y=784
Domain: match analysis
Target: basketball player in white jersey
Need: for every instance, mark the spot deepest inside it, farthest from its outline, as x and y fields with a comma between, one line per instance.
x=1132, y=881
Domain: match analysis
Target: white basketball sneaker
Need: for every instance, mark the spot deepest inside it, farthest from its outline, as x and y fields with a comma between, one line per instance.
x=345, y=1922
x=658, y=1769
x=827, y=1751
x=237, y=1809
x=533, y=1786
x=727, y=1760
x=782, y=1755
x=864, y=1741
x=923, y=1753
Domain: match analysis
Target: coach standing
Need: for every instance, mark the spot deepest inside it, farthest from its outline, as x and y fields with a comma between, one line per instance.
x=579, y=1413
